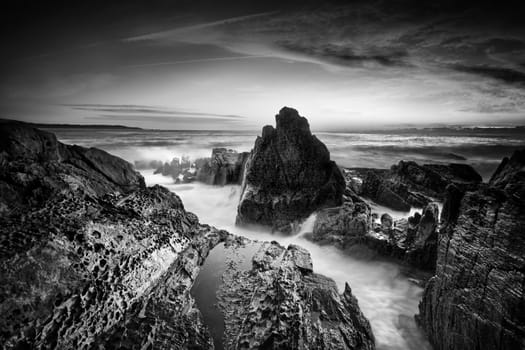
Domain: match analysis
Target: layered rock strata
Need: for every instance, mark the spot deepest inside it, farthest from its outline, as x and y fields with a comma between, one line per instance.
x=476, y=300
x=409, y=184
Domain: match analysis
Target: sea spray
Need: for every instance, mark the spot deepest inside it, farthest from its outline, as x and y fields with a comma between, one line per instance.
x=386, y=296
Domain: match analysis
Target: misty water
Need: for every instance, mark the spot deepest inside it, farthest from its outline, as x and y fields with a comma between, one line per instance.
x=385, y=291
x=386, y=295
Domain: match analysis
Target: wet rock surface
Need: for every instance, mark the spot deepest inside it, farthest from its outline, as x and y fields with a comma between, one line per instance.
x=225, y=166
x=408, y=184
x=476, y=300
x=412, y=240
x=279, y=303
x=92, y=258
x=288, y=176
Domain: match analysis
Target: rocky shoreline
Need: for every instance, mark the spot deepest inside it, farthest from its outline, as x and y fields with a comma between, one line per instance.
x=92, y=257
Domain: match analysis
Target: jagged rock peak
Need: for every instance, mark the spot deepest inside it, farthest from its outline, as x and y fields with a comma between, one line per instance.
x=289, y=118
x=288, y=175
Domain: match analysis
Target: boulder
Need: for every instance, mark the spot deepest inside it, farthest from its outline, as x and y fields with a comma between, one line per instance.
x=386, y=222
x=476, y=298
x=350, y=221
x=288, y=176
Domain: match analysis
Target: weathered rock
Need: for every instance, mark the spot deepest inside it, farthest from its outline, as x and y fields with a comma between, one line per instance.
x=83, y=268
x=409, y=184
x=476, y=300
x=412, y=240
x=380, y=191
x=288, y=175
x=281, y=304
x=89, y=256
x=347, y=223
x=35, y=166
x=225, y=166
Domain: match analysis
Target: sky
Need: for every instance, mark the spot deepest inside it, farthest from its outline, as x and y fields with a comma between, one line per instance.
x=232, y=65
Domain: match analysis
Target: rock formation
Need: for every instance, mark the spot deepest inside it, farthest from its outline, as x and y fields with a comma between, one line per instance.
x=91, y=258
x=476, y=300
x=409, y=184
x=281, y=304
x=225, y=166
x=412, y=240
x=175, y=168
x=288, y=175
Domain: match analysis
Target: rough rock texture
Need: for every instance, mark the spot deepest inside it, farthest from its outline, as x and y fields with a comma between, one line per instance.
x=476, y=300
x=281, y=304
x=409, y=184
x=34, y=165
x=91, y=258
x=225, y=166
x=346, y=224
x=412, y=240
x=288, y=175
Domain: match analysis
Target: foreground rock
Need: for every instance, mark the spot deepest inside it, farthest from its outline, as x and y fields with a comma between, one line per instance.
x=409, y=184
x=279, y=303
x=476, y=300
x=288, y=176
x=91, y=258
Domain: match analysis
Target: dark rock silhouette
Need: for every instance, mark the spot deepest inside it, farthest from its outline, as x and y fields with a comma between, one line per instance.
x=225, y=166
x=92, y=258
x=288, y=175
x=409, y=184
x=476, y=299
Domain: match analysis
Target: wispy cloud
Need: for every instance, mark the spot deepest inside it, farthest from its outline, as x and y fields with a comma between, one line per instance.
x=175, y=31
x=164, y=119
x=213, y=59
x=148, y=112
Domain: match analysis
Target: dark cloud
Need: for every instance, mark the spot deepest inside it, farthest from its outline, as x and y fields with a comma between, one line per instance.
x=343, y=54
x=506, y=75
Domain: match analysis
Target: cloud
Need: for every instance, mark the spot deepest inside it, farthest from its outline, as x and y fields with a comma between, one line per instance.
x=345, y=55
x=212, y=59
x=506, y=75
x=149, y=112
x=165, y=119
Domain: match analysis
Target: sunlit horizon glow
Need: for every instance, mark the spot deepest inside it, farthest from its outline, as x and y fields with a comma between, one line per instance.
x=341, y=70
